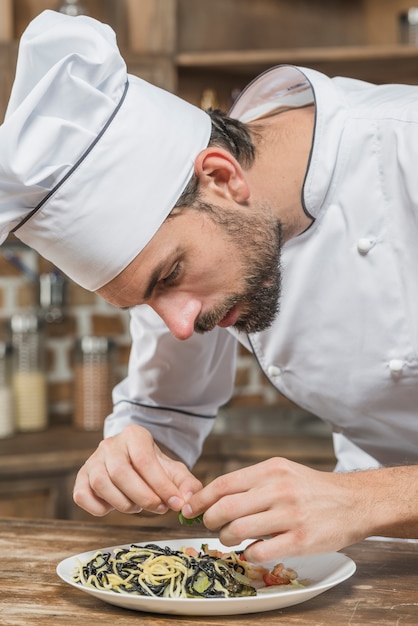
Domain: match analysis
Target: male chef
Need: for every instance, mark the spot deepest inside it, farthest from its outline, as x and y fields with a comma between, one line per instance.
x=289, y=227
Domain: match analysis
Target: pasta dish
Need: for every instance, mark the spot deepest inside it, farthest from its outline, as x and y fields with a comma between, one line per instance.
x=152, y=570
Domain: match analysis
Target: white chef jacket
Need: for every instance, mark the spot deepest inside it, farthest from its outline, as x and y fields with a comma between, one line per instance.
x=344, y=343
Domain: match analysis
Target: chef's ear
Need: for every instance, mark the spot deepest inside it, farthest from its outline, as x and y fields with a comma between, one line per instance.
x=220, y=173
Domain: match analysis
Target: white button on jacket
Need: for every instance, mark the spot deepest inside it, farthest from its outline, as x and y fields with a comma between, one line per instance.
x=396, y=365
x=364, y=245
x=273, y=371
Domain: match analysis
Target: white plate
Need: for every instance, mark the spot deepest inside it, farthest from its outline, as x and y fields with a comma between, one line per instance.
x=323, y=571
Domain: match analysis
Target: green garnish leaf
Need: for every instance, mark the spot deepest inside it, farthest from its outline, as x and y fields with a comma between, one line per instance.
x=190, y=521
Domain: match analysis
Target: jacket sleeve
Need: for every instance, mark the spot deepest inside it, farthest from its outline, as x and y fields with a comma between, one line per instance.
x=173, y=388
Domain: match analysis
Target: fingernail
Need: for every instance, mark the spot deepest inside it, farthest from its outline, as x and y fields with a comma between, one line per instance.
x=187, y=510
x=175, y=503
x=162, y=508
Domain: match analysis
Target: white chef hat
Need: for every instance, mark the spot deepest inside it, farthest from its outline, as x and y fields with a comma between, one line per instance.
x=92, y=159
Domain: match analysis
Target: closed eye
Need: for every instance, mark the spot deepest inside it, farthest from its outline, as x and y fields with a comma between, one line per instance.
x=172, y=277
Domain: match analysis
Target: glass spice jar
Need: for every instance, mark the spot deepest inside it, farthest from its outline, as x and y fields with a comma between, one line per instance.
x=93, y=381
x=408, y=26
x=7, y=417
x=71, y=7
x=29, y=376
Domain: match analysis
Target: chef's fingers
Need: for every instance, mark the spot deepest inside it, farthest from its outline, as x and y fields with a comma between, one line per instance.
x=133, y=463
x=209, y=498
x=247, y=514
x=294, y=542
x=305, y=511
x=96, y=489
x=231, y=502
x=181, y=476
x=166, y=482
x=126, y=473
x=86, y=498
x=118, y=482
x=284, y=545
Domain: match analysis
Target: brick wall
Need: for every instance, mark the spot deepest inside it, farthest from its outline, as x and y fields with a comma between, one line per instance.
x=87, y=314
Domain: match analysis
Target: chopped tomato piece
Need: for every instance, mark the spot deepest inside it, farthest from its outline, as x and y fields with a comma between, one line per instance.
x=270, y=580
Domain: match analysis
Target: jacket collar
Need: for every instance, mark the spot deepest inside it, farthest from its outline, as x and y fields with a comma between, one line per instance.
x=288, y=86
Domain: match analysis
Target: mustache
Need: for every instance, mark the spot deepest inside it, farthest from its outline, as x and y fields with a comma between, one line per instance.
x=259, y=306
x=207, y=321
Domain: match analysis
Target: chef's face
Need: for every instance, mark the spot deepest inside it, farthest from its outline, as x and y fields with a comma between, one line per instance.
x=206, y=267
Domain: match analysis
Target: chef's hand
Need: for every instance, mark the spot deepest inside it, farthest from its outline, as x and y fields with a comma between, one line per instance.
x=297, y=510
x=130, y=472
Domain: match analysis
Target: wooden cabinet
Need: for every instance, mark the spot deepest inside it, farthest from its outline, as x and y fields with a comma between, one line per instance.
x=37, y=471
x=215, y=47
x=218, y=46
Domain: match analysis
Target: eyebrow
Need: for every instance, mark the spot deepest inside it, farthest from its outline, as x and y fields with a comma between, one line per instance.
x=158, y=270
x=154, y=278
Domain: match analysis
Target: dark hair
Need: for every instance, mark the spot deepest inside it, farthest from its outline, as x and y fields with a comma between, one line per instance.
x=227, y=133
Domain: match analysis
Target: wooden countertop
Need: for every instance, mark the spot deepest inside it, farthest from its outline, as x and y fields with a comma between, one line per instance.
x=382, y=592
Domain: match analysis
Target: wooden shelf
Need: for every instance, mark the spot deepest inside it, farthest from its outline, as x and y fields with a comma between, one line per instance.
x=388, y=63
x=235, y=59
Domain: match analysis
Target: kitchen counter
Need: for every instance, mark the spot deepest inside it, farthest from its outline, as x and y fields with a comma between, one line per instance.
x=382, y=592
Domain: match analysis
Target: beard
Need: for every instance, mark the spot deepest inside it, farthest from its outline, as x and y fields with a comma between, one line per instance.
x=256, y=242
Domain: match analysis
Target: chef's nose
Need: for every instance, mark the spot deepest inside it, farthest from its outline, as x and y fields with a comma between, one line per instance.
x=179, y=316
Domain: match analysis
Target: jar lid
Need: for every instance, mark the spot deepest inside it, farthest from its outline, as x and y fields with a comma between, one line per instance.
x=410, y=16
x=6, y=349
x=94, y=345
x=25, y=323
